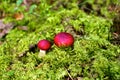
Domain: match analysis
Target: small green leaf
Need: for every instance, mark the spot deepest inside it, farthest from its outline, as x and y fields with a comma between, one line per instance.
x=19, y=2
x=32, y=8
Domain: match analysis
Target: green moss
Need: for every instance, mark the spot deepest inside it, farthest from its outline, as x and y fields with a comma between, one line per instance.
x=91, y=57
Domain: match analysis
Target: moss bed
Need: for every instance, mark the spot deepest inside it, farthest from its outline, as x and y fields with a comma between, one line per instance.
x=92, y=57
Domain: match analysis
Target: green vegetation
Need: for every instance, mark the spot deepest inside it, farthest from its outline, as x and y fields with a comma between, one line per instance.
x=91, y=57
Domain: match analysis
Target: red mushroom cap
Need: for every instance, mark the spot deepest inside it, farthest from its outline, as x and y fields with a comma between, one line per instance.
x=44, y=44
x=63, y=39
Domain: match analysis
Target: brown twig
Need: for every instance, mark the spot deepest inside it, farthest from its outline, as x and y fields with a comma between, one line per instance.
x=69, y=74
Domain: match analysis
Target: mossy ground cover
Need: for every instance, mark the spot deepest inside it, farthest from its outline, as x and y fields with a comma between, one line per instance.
x=91, y=57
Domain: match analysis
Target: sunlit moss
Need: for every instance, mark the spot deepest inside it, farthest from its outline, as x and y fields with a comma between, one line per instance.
x=92, y=56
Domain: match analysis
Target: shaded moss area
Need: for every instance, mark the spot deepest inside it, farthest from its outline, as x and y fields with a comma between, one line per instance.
x=91, y=57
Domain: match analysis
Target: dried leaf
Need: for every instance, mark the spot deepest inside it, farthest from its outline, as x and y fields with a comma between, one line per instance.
x=18, y=16
x=5, y=28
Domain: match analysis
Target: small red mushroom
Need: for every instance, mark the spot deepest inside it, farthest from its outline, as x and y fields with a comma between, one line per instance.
x=63, y=39
x=43, y=45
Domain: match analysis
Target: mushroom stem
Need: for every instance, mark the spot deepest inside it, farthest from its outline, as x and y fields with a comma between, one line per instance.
x=42, y=53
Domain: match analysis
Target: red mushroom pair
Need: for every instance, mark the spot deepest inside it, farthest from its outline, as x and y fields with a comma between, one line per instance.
x=61, y=39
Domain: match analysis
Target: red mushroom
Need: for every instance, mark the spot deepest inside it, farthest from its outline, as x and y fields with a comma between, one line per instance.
x=63, y=39
x=43, y=45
